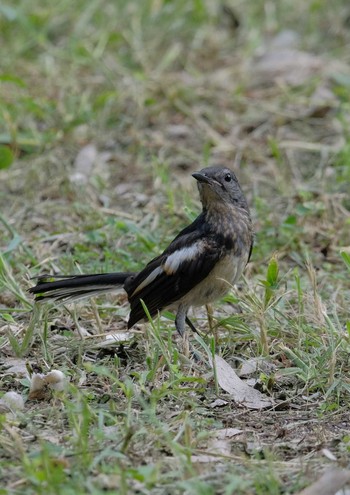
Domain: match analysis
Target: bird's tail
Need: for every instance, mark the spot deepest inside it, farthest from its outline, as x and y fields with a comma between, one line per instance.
x=69, y=287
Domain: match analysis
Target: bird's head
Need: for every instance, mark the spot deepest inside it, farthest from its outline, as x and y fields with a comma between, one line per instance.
x=219, y=184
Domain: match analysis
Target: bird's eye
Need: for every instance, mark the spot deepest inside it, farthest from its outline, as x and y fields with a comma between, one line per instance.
x=228, y=177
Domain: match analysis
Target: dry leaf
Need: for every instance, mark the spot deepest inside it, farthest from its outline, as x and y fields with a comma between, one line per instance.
x=113, y=339
x=285, y=39
x=289, y=66
x=15, y=366
x=327, y=453
x=178, y=131
x=218, y=403
x=228, y=432
x=83, y=164
x=240, y=391
x=249, y=367
x=329, y=483
x=252, y=447
x=256, y=364
x=205, y=458
x=108, y=481
x=218, y=445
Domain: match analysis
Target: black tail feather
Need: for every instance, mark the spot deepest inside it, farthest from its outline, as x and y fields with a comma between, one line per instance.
x=77, y=286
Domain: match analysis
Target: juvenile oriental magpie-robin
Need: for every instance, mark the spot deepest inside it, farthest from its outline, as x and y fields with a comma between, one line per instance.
x=199, y=266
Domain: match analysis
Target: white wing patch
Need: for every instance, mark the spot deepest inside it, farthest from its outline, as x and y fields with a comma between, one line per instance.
x=170, y=266
x=148, y=280
x=173, y=261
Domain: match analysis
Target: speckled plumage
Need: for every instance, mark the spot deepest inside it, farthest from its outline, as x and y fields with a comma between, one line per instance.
x=199, y=266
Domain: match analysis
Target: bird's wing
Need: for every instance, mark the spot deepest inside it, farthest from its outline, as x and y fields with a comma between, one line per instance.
x=186, y=262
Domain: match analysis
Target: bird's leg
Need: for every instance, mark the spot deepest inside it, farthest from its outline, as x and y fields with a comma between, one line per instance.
x=180, y=320
x=212, y=328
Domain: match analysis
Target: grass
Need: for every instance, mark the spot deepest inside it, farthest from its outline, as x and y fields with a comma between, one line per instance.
x=160, y=89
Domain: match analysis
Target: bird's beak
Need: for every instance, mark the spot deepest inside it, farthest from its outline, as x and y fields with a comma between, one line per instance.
x=201, y=177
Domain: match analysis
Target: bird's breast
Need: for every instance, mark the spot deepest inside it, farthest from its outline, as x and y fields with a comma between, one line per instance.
x=219, y=281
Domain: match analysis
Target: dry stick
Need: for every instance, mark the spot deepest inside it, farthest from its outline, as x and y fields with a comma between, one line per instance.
x=97, y=316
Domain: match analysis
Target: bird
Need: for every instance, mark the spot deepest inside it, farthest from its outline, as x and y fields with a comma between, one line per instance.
x=198, y=267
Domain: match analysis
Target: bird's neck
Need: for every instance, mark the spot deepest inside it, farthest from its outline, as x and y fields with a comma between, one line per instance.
x=219, y=209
